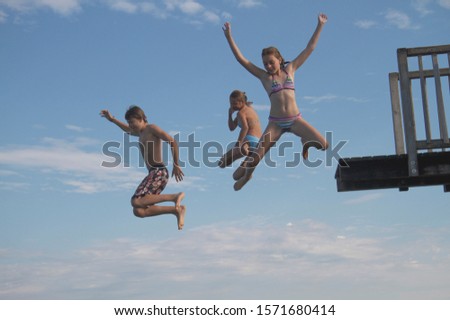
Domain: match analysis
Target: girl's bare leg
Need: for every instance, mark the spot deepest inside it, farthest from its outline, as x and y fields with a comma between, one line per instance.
x=310, y=136
x=233, y=155
x=244, y=173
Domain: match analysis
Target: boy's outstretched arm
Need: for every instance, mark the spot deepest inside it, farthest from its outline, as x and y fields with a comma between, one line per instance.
x=106, y=114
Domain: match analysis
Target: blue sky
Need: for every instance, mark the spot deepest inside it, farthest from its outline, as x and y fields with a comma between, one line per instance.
x=67, y=228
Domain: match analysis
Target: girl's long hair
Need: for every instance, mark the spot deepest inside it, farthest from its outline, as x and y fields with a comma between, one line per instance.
x=275, y=52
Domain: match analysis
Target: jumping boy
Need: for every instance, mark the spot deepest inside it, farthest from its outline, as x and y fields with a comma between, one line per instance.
x=148, y=193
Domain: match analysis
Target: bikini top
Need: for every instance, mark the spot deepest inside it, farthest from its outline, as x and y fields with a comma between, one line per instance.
x=277, y=87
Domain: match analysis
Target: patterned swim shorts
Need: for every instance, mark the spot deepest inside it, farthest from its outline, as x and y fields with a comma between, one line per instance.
x=153, y=183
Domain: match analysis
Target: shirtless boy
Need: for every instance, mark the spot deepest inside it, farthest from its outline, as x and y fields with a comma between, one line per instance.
x=148, y=193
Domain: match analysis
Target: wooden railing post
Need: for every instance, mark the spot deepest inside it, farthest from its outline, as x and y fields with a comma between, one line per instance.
x=408, y=112
x=396, y=113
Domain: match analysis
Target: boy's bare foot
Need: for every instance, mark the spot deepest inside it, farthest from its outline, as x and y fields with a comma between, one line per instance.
x=178, y=199
x=181, y=212
x=241, y=182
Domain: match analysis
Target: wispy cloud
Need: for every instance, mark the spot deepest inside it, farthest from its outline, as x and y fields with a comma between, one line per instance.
x=62, y=7
x=13, y=186
x=124, y=6
x=330, y=98
x=400, y=20
x=301, y=259
x=192, y=10
x=249, y=3
x=3, y=17
x=186, y=6
x=261, y=107
x=366, y=24
x=422, y=6
x=363, y=199
x=77, y=128
x=444, y=3
x=71, y=163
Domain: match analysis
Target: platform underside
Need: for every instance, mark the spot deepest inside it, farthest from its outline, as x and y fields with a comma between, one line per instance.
x=391, y=171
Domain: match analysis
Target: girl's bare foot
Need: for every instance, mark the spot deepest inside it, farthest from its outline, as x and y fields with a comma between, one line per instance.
x=178, y=200
x=241, y=182
x=314, y=144
x=181, y=212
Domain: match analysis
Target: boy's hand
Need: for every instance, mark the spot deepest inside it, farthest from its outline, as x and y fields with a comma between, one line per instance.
x=177, y=172
x=106, y=114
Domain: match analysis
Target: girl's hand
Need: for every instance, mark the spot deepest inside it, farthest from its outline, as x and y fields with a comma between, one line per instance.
x=177, y=172
x=106, y=114
x=227, y=29
x=323, y=18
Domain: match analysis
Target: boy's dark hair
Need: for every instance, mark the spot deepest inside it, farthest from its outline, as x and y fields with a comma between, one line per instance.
x=136, y=113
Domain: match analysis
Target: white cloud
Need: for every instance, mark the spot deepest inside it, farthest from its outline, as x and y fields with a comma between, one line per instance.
x=211, y=17
x=68, y=162
x=227, y=16
x=327, y=97
x=444, y=3
x=187, y=6
x=331, y=97
x=365, y=24
x=302, y=259
x=249, y=3
x=363, y=199
x=399, y=19
x=13, y=186
x=124, y=6
x=194, y=11
x=3, y=17
x=261, y=107
x=421, y=6
x=76, y=128
x=63, y=7
x=191, y=7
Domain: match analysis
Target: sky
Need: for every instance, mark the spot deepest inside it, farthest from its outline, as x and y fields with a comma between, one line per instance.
x=68, y=231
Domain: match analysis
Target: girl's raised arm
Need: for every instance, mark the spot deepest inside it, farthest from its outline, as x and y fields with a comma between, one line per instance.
x=301, y=58
x=250, y=67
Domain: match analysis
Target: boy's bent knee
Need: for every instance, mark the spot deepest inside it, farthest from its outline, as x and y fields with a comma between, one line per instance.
x=139, y=212
x=136, y=202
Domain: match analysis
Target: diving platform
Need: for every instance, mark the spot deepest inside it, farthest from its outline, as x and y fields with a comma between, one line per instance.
x=417, y=162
